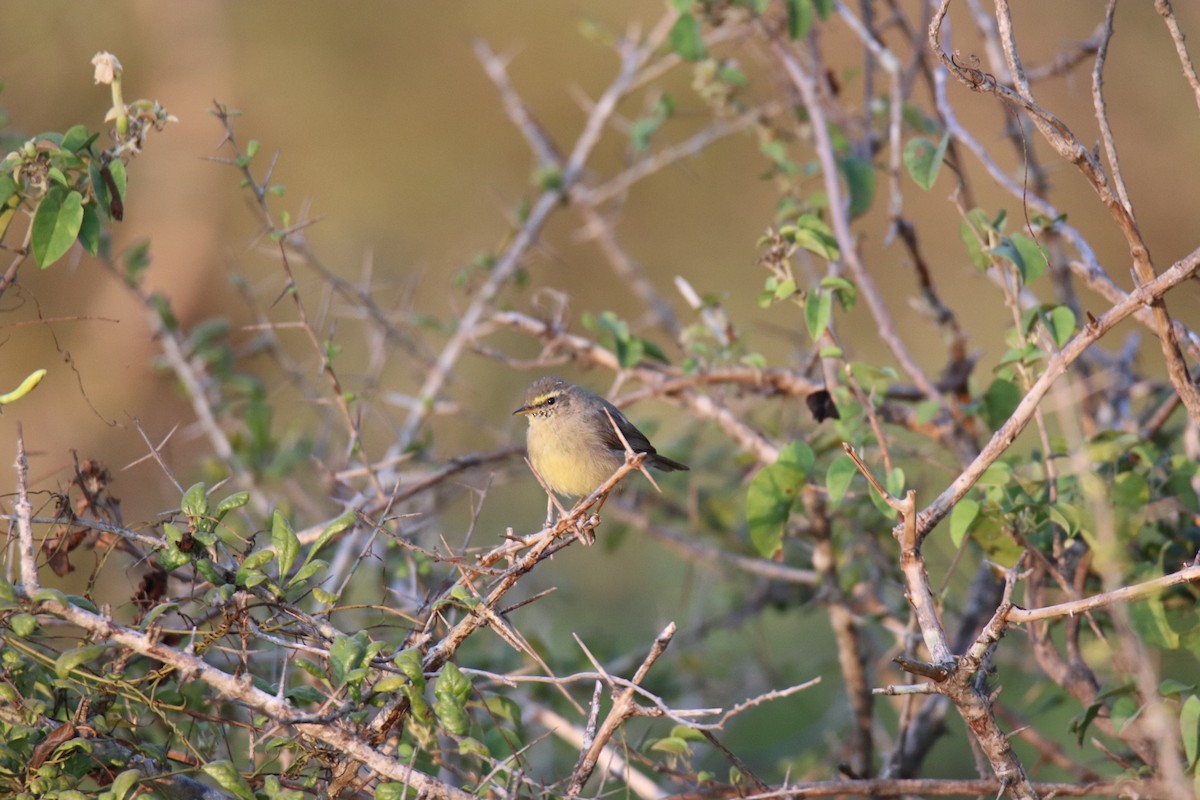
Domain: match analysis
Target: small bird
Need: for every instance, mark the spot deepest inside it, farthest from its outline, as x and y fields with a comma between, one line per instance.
x=571, y=442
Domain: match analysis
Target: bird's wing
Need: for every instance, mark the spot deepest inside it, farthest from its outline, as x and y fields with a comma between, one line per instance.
x=637, y=440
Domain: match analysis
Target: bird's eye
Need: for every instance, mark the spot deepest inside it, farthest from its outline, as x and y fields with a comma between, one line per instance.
x=551, y=400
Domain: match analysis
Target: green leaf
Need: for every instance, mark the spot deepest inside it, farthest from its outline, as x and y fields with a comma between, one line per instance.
x=772, y=493
x=1189, y=728
x=838, y=477
x=155, y=613
x=1061, y=324
x=824, y=7
x=249, y=575
x=71, y=659
x=451, y=690
x=687, y=39
x=124, y=782
x=811, y=233
x=1130, y=490
x=56, y=225
x=1033, y=258
x=392, y=791
x=234, y=501
x=818, y=307
x=75, y=138
x=170, y=557
x=672, y=745
x=964, y=513
x=89, y=230
x=1170, y=686
x=1007, y=249
x=340, y=524
x=923, y=160
x=799, y=17
x=23, y=625
x=845, y=291
x=409, y=663
x=973, y=232
x=195, y=501
x=999, y=402
x=116, y=168
x=452, y=682
x=229, y=779
x=287, y=544
x=309, y=569
x=860, y=179
x=345, y=656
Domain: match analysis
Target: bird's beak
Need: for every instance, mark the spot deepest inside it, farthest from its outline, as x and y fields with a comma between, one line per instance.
x=523, y=410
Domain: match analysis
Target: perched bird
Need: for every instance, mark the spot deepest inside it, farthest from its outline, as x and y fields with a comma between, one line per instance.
x=571, y=442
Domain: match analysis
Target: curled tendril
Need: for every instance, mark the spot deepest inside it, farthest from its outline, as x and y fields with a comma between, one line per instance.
x=971, y=72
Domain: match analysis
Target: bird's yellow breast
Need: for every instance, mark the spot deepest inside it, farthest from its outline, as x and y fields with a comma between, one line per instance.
x=572, y=462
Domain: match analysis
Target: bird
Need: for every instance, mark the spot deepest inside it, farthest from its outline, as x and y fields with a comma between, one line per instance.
x=571, y=442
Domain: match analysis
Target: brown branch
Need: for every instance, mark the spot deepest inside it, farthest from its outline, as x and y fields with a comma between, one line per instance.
x=622, y=709
x=1163, y=7
x=1123, y=595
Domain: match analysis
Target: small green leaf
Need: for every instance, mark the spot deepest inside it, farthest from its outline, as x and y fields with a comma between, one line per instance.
x=923, y=160
x=409, y=663
x=1130, y=490
x=811, y=233
x=71, y=659
x=973, y=232
x=89, y=230
x=171, y=557
x=75, y=138
x=687, y=39
x=116, y=168
x=345, y=656
x=999, y=402
x=1189, y=728
x=818, y=307
x=287, y=544
x=1061, y=324
x=1033, y=258
x=305, y=572
x=452, y=690
x=195, y=501
x=799, y=17
x=838, y=477
x=229, y=779
x=23, y=625
x=1170, y=686
x=672, y=745
x=860, y=180
x=48, y=595
x=845, y=291
x=392, y=791
x=234, y=501
x=124, y=782
x=56, y=225
x=772, y=493
x=340, y=524
x=964, y=513
x=1007, y=249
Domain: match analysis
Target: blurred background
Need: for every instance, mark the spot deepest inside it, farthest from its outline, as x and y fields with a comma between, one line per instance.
x=390, y=137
